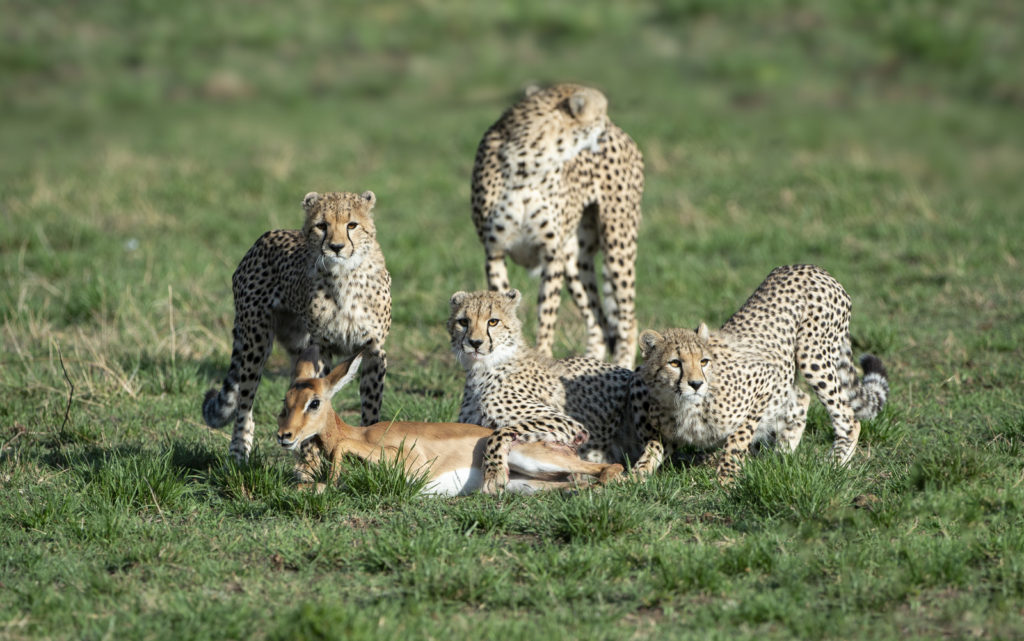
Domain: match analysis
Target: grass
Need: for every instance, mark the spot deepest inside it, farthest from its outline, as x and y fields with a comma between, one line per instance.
x=146, y=145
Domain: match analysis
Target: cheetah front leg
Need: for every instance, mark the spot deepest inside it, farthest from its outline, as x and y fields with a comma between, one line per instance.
x=549, y=298
x=371, y=385
x=737, y=444
x=653, y=454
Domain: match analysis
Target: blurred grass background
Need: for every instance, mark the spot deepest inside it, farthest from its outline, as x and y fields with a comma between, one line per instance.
x=145, y=145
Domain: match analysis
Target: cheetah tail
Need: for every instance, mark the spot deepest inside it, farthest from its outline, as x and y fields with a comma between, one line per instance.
x=219, y=406
x=873, y=388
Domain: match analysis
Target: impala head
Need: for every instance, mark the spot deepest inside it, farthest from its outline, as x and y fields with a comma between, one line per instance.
x=484, y=327
x=339, y=228
x=678, y=363
x=307, y=410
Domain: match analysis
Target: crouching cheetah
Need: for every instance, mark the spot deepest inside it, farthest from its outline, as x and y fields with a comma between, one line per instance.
x=554, y=182
x=738, y=385
x=525, y=396
x=326, y=284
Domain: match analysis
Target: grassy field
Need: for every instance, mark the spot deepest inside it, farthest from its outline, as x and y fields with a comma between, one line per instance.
x=145, y=145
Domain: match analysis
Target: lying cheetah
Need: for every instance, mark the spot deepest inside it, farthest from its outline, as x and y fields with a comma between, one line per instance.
x=554, y=182
x=738, y=385
x=526, y=396
x=326, y=284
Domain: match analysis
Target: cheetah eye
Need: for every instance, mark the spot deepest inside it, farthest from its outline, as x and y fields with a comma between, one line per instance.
x=704, y=362
x=353, y=225
x=493, y=322
x=675, y=363
x=463, y=322
x=321, y=226
x=314, y=405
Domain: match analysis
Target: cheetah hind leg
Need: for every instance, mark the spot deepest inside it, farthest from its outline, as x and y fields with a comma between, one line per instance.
x=553, y=461
x=581, y=279
x=794, y=421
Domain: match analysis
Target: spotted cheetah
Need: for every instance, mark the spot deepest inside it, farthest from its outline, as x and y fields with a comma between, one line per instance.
x=738, y=385
x=526, y=396
x=554, y=182
x=326, y=284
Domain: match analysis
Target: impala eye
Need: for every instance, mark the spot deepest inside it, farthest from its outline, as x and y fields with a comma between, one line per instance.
x=353, y=225
x=314, y=405
x=493, y=322
x=675, y=364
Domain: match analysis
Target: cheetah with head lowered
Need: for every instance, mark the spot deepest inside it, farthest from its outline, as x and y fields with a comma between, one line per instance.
x=325, y=284
x=526, y=397
x=738, y=385
x=554, y=182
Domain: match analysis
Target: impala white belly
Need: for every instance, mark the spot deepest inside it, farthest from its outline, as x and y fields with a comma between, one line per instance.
x=456, y=482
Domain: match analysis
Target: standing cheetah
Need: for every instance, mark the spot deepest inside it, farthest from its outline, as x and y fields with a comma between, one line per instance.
x=554, y=182
x=525, y=396
x=326, y=284
x=738, y=385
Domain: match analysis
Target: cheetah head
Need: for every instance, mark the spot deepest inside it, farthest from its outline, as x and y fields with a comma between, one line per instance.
x=484, y=327
x=677, y=364
x=339, y=228
x=551, y=126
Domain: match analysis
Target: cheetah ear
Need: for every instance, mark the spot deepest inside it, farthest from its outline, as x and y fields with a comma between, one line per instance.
x=308, y=364
x=577, y=104
x=530, y=89
x=369, y=197
x=343, y=374
x=310, y=200
x=515, y=297
x=457, y=299
x=702, y=332
x=648, y=339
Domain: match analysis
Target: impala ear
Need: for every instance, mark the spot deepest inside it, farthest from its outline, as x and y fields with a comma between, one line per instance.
x=648, y=340
x=702, y=332
x=308, y=364
x=342, y=374
x=310, y=200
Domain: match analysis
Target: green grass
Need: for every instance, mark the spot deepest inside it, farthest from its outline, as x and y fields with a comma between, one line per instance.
x=146, y=145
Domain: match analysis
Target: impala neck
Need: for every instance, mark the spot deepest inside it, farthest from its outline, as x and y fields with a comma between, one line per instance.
x=332, y=437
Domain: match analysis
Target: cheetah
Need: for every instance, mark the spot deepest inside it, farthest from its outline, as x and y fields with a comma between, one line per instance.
x=526, y=396
x=325, y=284
x=737, y=385
x=554, y=182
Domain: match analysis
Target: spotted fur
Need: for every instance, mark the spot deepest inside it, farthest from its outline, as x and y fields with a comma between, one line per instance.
x=526, y=396
x=732, y=387
x=326, y=284
x=554, y=182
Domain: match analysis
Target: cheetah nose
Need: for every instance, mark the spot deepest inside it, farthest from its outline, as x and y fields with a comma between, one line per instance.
x=475, y=343
x=336, y=247
x=695, y=384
